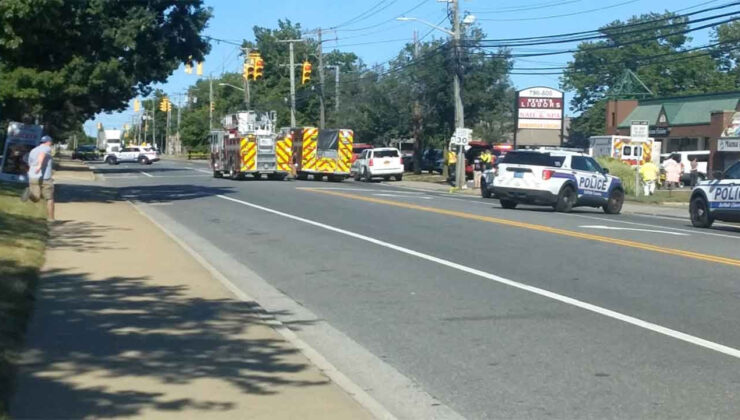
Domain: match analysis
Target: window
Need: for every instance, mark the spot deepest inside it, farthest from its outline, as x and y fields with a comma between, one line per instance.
x=638, y=151
x=626, y=151
x=704, y=157
x=533, y=158
x=385, y=153
x=733, y=172
x=364, y=154
x=582, y=163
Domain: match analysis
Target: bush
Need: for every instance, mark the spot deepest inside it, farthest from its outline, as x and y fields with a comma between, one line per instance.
x=621, y=170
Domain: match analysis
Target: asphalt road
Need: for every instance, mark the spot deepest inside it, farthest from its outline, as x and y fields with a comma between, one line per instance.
x=495, y=313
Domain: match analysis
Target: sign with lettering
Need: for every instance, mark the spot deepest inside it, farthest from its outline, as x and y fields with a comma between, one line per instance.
x=640, y=129
x=728, y=145
x=540, y=108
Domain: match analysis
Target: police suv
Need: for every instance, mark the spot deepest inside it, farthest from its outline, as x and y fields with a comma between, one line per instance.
x=717, y=199
x=558, y=178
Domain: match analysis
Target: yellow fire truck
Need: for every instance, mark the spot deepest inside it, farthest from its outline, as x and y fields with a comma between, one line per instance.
x=322, y=153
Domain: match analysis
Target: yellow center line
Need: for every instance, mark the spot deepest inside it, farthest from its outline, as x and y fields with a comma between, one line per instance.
x=540, y=228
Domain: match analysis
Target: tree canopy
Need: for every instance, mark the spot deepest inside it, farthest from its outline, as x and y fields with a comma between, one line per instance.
x=65, y=61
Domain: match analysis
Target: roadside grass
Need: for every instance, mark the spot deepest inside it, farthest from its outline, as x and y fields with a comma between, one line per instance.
x=23, y=234
x=433, y=178
x=663, y=196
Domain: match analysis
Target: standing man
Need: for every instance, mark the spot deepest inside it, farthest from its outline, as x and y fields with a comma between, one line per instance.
x=650, y=173
x=451, y=166
x=40, y=183
x=694, y=172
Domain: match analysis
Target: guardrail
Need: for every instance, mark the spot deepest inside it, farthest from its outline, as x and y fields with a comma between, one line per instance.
x=198, y=155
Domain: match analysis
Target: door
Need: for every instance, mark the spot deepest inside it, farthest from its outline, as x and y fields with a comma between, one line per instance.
x=593, y=184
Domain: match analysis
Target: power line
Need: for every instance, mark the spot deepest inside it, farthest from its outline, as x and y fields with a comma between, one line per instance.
x=364, y=15
x=385, y=21
x=524, y=8
x=563, y=15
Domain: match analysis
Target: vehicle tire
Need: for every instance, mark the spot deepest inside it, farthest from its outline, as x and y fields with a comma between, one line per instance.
x=566, y=200
x=699, y=211
x=399, y=177
x=318, y=177
x=335, y=178
x=357, y=176
x=484, y=191
x=614, y=203
x=366, y=175
x=111, y=160
x=257, y=175
x=386, y=178
x=143, y=160
x=508, y=204
x=218, y=174
x=301, y=176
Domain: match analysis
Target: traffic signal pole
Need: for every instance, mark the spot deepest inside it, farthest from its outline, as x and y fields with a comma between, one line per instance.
x=246, y=82
x=459, y=116
x=322, y=115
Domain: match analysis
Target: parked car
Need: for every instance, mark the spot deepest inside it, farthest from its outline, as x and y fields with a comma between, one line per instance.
x=382, y=162
x=718, y=199
x=474, y=151
x=685, y=158
x=141, y=154
x=85, y=152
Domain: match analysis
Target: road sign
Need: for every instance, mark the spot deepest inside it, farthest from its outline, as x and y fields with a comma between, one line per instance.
x=461, y=137
x=640, y=129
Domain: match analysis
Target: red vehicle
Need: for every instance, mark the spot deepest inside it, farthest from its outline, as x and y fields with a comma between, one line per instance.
x=477, y=147
x=357, y=148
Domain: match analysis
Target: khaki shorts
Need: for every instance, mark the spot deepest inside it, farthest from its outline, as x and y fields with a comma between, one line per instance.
x=41, y=188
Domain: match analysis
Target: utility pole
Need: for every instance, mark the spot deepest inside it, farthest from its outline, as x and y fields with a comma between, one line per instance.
x=336, y=88
x=167, y=143
x=246, y=81
x=154, y=123
x=456, y=84
x=322, y=116
x=417, y=114
x=178, y=143
x=292, y=78
x=210, y=103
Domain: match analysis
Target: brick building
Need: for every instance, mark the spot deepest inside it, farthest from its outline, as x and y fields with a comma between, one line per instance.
x=699, y=122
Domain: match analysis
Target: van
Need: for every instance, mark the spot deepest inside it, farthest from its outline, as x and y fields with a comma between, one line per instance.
x=685, y=158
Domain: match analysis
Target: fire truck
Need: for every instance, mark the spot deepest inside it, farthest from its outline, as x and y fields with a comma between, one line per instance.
x=322, y=153
x=248, y=144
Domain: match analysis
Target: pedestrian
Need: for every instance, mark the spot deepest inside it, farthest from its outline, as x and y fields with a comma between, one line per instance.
x=40, y=182
x=694, y=172
x=451, y=166
x=672, y=172
x=487, y=159
x=649, y=173
x=477, y=170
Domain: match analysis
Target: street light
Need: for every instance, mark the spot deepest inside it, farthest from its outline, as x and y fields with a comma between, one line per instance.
x=456, y=83
x=231, y=86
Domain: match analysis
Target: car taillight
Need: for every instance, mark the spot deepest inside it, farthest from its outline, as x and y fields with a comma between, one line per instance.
x=547, y=174
x=370, y=163
x=400, y=161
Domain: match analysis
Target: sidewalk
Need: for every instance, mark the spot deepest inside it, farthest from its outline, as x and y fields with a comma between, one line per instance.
x=126, y=324
x=674, y=210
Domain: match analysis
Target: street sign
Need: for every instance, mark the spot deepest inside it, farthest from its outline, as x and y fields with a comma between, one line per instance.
x=640, y=129
x=461, y=137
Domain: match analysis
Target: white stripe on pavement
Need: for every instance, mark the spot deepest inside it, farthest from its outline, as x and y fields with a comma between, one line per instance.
x=604, y=227
x=613, y=220
x=730, y=351
x=147, y=174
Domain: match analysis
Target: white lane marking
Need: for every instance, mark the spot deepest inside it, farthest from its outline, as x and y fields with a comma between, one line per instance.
x=730, y=351
x=603, y=227
x=367, y=190
x=326, y=367
x=701, y=232
x=147, y=174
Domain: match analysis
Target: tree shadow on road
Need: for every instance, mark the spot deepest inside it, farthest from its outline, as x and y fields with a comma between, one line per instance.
x=82, y=193
x=122, y=327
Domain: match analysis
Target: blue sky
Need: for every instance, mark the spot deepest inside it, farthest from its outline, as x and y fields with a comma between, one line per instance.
x=233, y=20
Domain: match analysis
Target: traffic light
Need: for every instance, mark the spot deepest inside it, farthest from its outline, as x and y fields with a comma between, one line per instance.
x=165, y=105
x=213, y=106
x=247, y=72
x=188, y=68
x=199, y=68
x=306, y=74
x=259, y=67
x=137, y=105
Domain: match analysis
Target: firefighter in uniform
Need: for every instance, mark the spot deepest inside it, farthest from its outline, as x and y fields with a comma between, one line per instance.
x=451, y=166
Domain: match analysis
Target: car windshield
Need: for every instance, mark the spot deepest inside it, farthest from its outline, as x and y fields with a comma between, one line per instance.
x=533, y=158
x=733, y=172
x=385, y=153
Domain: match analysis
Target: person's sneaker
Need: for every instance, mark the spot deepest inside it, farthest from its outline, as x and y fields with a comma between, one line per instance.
x=26, y=193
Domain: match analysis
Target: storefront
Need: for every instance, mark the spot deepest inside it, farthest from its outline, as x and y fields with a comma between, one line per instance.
x=686, y=123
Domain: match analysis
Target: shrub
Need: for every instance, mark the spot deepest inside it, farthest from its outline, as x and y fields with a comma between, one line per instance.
x=621, y=170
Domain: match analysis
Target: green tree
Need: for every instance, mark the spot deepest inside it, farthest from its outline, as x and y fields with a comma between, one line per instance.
x=650, y=45
x=66, y=61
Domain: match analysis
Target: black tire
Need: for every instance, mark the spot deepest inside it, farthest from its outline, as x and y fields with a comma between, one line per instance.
x=566, y=200
x=111, y=160
x=218, y=174
x=318, y=177
x=143, y=160
x=301, y=176
x=484, y=192
x=358, y=176
x=366, y=175
x=399, y=177
x=508, y=204
x=335, y=178
x=386, y=178
x=699, y=211
x=614, y=203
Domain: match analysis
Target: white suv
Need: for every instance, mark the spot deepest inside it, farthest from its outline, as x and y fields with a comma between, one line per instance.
x=717, y=199
x=141, y=154
x=557, y=178
x=380, y=162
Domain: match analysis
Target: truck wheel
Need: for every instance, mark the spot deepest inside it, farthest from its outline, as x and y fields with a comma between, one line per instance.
x=566, y=200
x=508, y=204
x=111, y=160
x=366, y=175
x=301, y=176
x=615, y=202
x=399, y=177
x=357, y=176
x=699, y=211
x=318, y=177
x=218, y=174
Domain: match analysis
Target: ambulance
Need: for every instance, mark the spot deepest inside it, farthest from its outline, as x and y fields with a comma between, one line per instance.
x=634, y=151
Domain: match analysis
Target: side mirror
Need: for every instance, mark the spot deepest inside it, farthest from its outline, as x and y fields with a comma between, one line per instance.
x=605, y=170
x=717, y=175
